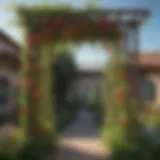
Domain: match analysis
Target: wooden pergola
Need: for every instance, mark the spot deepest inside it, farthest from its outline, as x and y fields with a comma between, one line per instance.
x=118, y=28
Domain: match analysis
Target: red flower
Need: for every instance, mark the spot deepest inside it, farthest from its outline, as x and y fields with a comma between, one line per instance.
x=29, y=83
x=102, y=24
x=132, y=89
x=48, y=31
x=36, y=132
x=44, y=19
x=31, y=51
x=36, y=67
x=55, y=22
x=121, y=101
x=58, y=20
x=28, y=64
x=124, y=74
x=24, y=110
x=36, y=94
x=33, y=66
x=33, y=38
x=53, y=25
x=124, y=121
x=120, y=91
x=120, y=96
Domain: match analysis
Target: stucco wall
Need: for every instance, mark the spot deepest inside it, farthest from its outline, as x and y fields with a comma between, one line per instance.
x=149, y=88
x=9, y=68
x=155, y=78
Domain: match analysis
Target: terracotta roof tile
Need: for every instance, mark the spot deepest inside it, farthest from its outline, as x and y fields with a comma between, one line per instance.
x=147, y=59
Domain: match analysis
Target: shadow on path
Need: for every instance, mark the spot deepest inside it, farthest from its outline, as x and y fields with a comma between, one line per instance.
x=67, y=153
x=81, y=140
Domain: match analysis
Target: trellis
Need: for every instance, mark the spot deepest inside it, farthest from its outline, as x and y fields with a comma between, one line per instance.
x=45, y=27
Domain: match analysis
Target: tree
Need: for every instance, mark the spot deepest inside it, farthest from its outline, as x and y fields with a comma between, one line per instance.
x=64, y=71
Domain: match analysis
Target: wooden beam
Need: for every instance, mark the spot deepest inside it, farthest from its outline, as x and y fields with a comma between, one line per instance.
x=89, y=13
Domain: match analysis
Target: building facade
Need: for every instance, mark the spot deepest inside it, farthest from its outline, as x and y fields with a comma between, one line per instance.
x=148, y=65
x=148, y=79
x=9, y=70
x=85, y=84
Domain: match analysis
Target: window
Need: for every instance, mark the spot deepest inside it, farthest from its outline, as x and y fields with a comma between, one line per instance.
x=147, y=91
x=4, y=92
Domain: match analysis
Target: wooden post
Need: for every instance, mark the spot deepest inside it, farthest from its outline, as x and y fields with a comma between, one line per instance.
x=22, y=98
x=46, y=109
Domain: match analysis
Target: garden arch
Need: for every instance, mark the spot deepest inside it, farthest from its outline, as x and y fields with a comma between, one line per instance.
x=47, y=27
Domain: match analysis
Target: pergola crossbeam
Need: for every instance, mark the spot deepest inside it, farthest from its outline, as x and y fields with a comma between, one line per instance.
x=129, y=15
x=45, y=27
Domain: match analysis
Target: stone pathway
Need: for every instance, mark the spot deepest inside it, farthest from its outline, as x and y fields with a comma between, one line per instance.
x=81, y=141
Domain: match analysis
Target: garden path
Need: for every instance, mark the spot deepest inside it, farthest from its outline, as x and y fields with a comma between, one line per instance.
x=81, y=140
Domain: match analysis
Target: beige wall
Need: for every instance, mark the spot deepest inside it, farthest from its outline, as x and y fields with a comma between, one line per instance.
x=9, y=68
x=155, y=78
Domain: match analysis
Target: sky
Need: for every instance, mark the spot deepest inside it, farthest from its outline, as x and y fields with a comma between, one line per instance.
x=88, y=56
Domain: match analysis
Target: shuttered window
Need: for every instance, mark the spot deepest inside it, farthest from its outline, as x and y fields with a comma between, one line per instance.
x=147, y=91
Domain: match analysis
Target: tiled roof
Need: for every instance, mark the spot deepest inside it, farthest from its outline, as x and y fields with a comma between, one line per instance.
x=8, y=46
x=147, y=59
x=9, y=39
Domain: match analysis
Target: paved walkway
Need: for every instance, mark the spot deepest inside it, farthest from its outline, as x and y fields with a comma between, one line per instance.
x=81, y=141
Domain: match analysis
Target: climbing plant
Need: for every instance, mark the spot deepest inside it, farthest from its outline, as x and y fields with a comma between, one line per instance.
x=45, y=28
x=122, y=129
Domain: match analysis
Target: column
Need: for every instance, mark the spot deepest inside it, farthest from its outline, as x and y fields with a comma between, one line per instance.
x=115, y=75
x=46, y=109
x=29, y=91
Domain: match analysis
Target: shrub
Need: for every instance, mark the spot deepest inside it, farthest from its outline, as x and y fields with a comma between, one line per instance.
x=151, y=117
x=146, y=147
x=64, y=119
x=97, y=108
x=11, y=141
x=123, y=149
x=115, y=137
x=37, y=149
x=156, y=152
